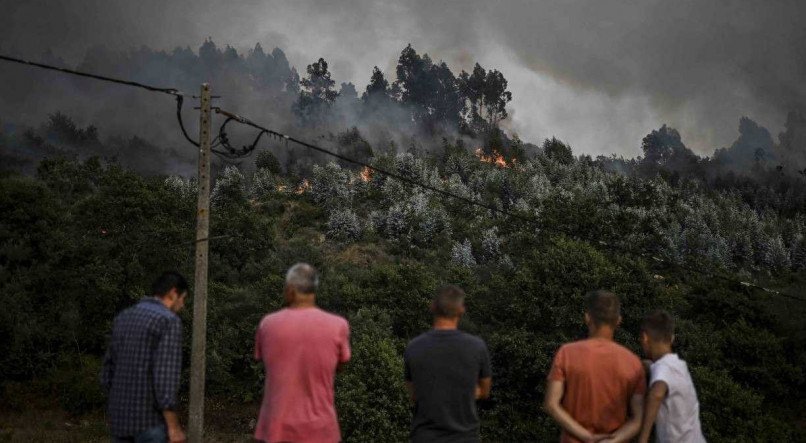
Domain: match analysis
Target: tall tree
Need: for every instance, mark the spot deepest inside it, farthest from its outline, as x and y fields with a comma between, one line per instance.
x=471, y=86
x=485, y=97
x=378, y=87
x=495, y=98
x=348, y=91
x=661, y=145
x=292, y=82
x=412, y=82
x=444, y=103
x=430, y=90
x=316, y=94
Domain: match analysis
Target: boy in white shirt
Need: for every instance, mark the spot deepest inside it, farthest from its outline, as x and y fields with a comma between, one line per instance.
x=671, y=403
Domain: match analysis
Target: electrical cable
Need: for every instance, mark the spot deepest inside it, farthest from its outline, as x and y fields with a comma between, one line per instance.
x=532, y=220
x=232, y=153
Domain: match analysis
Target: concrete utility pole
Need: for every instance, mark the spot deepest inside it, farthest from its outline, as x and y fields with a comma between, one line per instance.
x=199, y=346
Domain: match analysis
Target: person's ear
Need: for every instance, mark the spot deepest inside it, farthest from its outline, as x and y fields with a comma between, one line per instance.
x=172, y=295
x=288, y=294
x=673, y=337
x=587, y=318
x=618, y=323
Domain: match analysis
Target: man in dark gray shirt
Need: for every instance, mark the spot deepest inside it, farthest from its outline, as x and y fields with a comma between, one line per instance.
x=447, y=370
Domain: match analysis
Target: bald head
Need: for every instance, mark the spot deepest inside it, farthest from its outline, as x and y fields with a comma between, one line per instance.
x=302, y=278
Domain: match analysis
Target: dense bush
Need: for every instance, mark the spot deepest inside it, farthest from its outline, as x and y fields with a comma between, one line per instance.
x=81, y=241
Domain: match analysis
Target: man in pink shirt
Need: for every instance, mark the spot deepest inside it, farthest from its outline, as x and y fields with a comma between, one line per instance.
x=301, y=347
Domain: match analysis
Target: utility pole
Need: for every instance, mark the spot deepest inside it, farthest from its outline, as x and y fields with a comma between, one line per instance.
x=199, y=345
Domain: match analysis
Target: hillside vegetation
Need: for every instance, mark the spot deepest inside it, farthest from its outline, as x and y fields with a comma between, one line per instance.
x=88, y=219
x=81, y=239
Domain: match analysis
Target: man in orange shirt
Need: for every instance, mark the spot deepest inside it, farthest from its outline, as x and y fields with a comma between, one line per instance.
x=594, y=382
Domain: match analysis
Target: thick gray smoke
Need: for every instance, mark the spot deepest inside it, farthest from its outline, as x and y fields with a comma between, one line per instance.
x=598, y=74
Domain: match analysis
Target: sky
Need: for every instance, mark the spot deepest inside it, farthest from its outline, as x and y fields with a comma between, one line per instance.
x=598, y=74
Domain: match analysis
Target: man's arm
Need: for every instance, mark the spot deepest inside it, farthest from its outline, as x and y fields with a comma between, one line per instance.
x=653, y=400
x=630, y=429
x=483, y=388
x=345, y=353
x=551, y=404
x=175, y=432
x=165, y=373
x=485, y=378
x=108, y=369
x=410, y=388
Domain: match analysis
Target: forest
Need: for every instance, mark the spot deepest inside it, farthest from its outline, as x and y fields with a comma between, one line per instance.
x=91, y=213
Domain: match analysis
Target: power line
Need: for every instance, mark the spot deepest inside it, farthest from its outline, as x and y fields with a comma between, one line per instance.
x=231, y=153
x=532, y=220
x=243, y=120
x=170, y=91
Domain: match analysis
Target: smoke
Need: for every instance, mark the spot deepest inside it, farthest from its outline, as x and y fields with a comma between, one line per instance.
x=599, y=75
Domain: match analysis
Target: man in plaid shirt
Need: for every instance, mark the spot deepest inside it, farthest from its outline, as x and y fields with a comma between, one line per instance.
x=142, y=365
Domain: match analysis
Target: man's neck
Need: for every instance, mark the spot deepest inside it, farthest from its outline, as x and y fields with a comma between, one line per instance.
x=164, y=301
x=446, y=324
x=660, y=351
x=300, y=304
x=604, y=332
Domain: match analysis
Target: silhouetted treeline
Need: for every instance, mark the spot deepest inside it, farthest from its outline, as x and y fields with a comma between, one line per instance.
x=410, y=110
x=764, y=173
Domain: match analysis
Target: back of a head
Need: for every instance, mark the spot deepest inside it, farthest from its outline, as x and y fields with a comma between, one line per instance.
x=604, y=308
x=449, y=302
x=168, y=280
x=659, y=326
x=303, y=278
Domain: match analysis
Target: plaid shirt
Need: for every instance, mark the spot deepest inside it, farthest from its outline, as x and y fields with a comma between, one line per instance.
x=141, y=367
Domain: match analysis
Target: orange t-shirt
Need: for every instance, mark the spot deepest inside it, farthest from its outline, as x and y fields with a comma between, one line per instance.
x=600, y=378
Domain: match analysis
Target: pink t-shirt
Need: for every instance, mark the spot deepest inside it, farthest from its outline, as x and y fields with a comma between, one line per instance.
x=300, y=349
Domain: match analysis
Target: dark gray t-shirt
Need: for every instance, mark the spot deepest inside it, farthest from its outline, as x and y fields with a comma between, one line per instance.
x=445, y=366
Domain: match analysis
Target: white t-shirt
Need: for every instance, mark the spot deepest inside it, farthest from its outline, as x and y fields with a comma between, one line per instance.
x=679, y=415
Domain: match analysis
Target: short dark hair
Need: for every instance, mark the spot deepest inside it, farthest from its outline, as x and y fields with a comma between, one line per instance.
x=659, y=326
x=448, y=301
x=604, y=307
x=169, y=280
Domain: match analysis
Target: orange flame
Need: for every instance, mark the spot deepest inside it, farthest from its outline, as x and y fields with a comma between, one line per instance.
x=496, y=158
x=304, y=186
x=366, y=174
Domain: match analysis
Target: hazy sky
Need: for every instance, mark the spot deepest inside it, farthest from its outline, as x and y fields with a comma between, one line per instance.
x=599, y=74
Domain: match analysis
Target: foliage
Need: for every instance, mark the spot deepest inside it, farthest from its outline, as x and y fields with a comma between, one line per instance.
x=81, y=240
x=268, y=161
x=316, y=93
x=558, y=151
x=343, y=225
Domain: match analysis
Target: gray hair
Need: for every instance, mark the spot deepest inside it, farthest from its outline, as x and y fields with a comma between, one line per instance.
x=302, y=277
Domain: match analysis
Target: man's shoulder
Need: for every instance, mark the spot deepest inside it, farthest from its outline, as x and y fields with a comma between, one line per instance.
x=334, y=318
x=669, y=362
x=627, y=355
x=587, y=345
x=146, y=310
x=472, y=340
x=322, y=317
x=424, y=337
x=467, y=340
x=574, y=346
